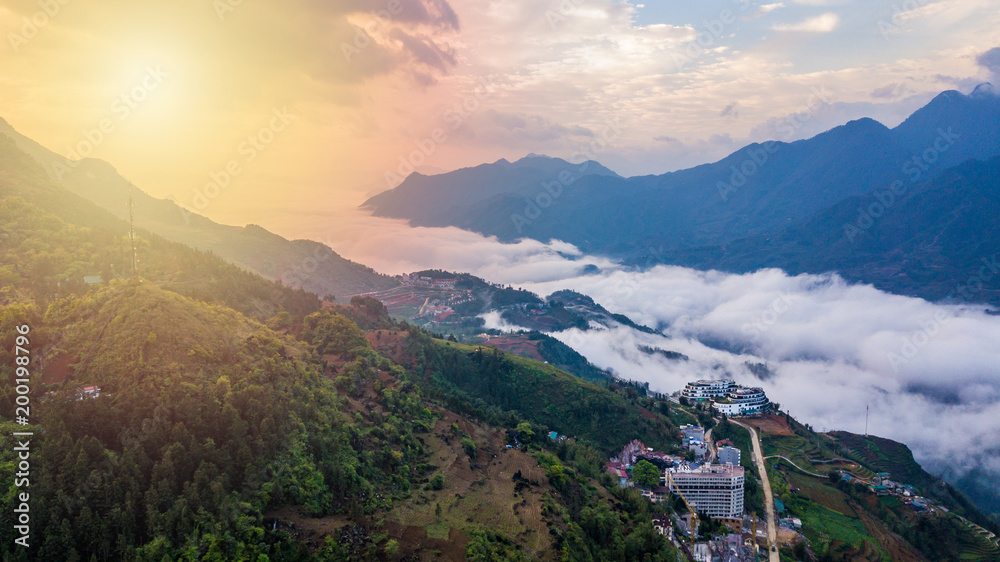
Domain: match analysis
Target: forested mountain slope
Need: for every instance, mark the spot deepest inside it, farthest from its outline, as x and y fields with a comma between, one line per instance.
x=297, y=263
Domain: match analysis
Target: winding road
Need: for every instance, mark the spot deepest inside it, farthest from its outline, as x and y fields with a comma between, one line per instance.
x=758, y=459
x=789, y=461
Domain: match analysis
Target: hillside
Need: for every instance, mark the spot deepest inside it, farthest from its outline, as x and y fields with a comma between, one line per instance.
x=214, y=436
x=297, y=263
x=224, y=430
x=51, y=240
x=929, y=241
x=822, y=480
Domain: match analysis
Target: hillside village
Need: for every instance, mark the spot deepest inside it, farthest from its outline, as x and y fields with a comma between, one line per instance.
x=705, y=482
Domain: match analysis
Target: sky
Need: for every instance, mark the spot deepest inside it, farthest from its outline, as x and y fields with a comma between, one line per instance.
x=321, y=104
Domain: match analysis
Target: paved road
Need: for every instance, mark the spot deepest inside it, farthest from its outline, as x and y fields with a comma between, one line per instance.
x=711, y=446
x=758, y=458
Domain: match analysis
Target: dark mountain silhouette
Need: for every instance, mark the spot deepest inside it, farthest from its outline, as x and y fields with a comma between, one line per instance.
x=769, y=204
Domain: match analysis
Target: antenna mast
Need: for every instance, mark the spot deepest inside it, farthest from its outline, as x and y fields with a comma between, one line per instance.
x=131, y=235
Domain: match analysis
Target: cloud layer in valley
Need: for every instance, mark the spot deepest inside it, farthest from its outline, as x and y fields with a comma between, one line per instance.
x=927, y=371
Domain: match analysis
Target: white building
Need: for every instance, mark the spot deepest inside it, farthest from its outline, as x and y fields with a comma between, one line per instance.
x=714, y=489
x=707, y=389
x=742, y=401
x=729, y=455
x=699, y=447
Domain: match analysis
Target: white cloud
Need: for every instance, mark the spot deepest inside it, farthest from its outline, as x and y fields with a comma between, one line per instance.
x=824, y=23
x=827, y=342
x=768, y=8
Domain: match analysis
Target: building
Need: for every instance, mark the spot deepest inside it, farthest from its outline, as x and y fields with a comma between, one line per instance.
x=693, y=432
x=714, y=489
x=707, y=389
x=742, y=401
x=729, y=455
x=663, y=525
x=84, y=392
x=656, y=494
x=699, y=447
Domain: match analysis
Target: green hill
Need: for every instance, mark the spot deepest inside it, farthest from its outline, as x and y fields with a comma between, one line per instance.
x=298, y=263
x=237, y=419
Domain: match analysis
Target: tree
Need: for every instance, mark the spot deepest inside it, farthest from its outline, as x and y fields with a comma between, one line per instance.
x=646, y=474
x=436, y=483
x=524, y=428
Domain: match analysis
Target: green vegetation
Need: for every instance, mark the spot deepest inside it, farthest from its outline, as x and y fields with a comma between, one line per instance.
x=496, y=387
x=566, y=358
x=209, y=419
x=646, y=474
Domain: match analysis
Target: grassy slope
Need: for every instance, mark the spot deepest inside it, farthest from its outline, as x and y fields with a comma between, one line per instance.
x=552, y=398
x=848, y=523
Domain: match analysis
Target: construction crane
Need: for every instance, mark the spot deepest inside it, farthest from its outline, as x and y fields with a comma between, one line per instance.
x=694, y=512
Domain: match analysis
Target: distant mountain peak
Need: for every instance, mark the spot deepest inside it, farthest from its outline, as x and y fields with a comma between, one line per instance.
x=983, y=90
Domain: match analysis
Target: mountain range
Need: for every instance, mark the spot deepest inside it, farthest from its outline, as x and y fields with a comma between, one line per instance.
x=862, y=199
x=226, y=429
x=297, y=263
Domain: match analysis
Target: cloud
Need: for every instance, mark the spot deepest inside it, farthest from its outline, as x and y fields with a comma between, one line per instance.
x=731, y=110
x=768, y=8
x=990, y=60
x=520, y=130
x=824, y=23
x=891, y=91
x=829, y=344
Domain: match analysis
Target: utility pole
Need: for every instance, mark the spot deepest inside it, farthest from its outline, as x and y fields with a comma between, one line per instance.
x=866, y=421
x=131, y=235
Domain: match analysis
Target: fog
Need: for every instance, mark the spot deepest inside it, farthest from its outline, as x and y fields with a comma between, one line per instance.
x=929, y=373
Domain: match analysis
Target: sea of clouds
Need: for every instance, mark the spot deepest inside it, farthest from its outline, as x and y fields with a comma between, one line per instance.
x=928, y=373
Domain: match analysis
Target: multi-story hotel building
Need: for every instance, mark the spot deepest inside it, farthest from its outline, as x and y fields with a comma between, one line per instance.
x=714, y=489
x=707, y=390
x=742, y=401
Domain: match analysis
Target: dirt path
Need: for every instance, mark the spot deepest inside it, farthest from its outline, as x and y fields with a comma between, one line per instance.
x=758, y=458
